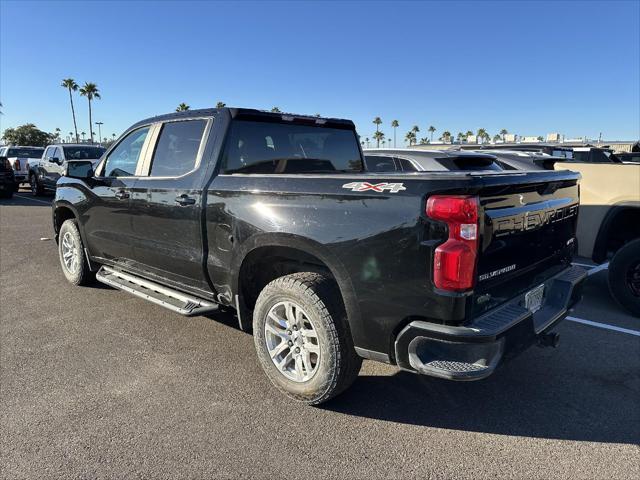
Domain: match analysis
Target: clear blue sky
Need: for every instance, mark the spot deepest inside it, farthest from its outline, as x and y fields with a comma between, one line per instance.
x=531, y=68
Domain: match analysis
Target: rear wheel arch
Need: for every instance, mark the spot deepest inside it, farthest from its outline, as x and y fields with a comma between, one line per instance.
x=621, y=225
x=284, y=255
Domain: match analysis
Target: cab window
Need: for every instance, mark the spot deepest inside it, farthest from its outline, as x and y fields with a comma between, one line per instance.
x=122, y=161
x=177, y=148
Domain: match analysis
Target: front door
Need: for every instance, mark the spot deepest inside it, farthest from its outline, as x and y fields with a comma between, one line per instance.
x=52, y=167
x=108, y=226
x=167, y=205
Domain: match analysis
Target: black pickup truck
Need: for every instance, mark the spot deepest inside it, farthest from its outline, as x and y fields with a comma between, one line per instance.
x=441, y=273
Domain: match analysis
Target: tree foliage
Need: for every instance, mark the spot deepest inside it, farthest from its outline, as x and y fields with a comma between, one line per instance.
x=182, y=107
x=27, y=134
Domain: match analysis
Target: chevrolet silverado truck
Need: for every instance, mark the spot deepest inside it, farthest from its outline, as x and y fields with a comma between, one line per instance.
x=446, y=274
x=19, y=158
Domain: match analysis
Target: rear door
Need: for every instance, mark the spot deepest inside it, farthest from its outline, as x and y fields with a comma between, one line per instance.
x=167, y=204
x=108, y=223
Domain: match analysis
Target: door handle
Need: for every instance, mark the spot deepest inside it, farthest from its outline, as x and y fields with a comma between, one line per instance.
x=185, y=200
x=122, y=195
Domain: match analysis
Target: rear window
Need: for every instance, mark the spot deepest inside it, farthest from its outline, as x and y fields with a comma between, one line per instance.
x=83, y=153
x=25, y=152
x=265, y=147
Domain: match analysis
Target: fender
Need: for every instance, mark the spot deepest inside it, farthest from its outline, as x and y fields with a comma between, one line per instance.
x=307, y=245
x=599, y=254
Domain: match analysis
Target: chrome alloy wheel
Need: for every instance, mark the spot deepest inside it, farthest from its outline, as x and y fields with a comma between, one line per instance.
x=292, y=341
x=70, y=253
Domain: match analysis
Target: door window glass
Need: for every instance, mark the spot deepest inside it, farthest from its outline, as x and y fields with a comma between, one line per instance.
x=177, y=148
x=378, y=163
x=122, y=161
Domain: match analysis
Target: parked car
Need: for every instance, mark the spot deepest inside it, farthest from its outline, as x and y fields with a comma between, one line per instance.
x=521, y=160
x=445, y=274
x=19, y=158
x=7, y=178
x=44, y=173
x=408, y=160
x=609, y=224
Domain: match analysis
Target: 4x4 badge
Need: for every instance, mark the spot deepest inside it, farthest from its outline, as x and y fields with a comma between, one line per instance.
x=376, y=187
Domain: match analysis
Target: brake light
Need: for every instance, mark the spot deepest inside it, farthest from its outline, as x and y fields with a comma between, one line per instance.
x=454, y=262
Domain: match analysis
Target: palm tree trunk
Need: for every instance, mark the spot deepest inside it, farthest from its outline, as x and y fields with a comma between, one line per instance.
x=73, y=112
x=394, y=137
x=90, y=122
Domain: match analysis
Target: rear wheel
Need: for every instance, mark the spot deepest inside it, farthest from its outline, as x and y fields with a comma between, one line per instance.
x=36, y=187
x=624, y=277
x=71, y=252
x=302, y=338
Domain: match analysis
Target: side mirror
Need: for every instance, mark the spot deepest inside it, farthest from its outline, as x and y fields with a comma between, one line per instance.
x=54, y=160
x=80, y=169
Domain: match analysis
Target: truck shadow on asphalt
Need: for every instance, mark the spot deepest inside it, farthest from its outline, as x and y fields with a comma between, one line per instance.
x=559, y=406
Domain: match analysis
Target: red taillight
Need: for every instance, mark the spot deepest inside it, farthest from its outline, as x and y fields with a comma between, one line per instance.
x=16, y=164
x=454, y=262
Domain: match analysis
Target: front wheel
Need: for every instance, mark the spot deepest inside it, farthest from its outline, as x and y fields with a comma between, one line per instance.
x=302, y=338
x=624, y=277
x=71, y=252
x=36, y=187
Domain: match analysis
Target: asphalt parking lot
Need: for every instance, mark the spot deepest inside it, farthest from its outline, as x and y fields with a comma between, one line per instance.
x=96, y=383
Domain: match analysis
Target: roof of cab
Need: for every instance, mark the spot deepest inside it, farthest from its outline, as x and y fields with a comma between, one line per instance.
x=248, y=113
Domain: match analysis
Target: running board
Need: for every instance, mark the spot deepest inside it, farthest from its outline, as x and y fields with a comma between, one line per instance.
x=179, y=302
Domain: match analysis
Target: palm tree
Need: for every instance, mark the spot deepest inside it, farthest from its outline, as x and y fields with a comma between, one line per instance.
x=482, y=134
x=71, y=135
x=446, y=136
x=410, y=137
x=71, y=85
x=378, y=136
x=431, y=130
x=276, y=110
x=90, y=90
x=367, y=141
x=58, y=133
x=503, y=132
x=496, y=138
x=377, y=122
x=83, y=134
x=415, y=129
x=424, y=141
x=183, y=107
x=468, y=134
x=540, y=138
x=460, y=137
x=221, y=105
x=113, y=135
x=395, y=125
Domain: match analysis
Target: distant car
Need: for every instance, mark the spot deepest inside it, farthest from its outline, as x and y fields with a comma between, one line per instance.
x=594, y=155
x=19, y=158
x=45, y=172
x=407, y=160
x=7, y=178
x=629, y=157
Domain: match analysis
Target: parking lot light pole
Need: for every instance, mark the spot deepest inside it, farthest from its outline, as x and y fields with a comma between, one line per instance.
x=99, y=132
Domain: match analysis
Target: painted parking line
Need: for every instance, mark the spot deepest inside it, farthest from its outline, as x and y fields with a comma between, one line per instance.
x=635, y=333
x=32, y=199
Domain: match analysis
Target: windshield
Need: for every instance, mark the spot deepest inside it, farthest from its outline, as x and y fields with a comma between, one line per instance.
x=83, y=153
x=267, y=147
x=25, y=152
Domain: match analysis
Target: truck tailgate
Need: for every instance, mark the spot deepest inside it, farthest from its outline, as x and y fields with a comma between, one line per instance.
x=527, y=234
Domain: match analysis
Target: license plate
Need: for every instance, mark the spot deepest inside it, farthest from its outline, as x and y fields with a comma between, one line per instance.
x=533, y=298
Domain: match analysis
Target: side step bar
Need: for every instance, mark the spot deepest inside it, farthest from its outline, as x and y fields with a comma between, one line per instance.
x=179, y=302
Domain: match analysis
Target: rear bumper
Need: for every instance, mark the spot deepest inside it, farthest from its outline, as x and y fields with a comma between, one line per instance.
x=473, y=351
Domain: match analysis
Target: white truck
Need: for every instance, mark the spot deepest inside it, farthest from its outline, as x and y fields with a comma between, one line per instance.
x=19, y=158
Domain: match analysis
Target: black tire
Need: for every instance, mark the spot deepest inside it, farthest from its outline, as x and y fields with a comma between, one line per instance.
x=36, y=187
x=320, y=299
x=8, y=193
x=624, y=264
x=80, y=274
